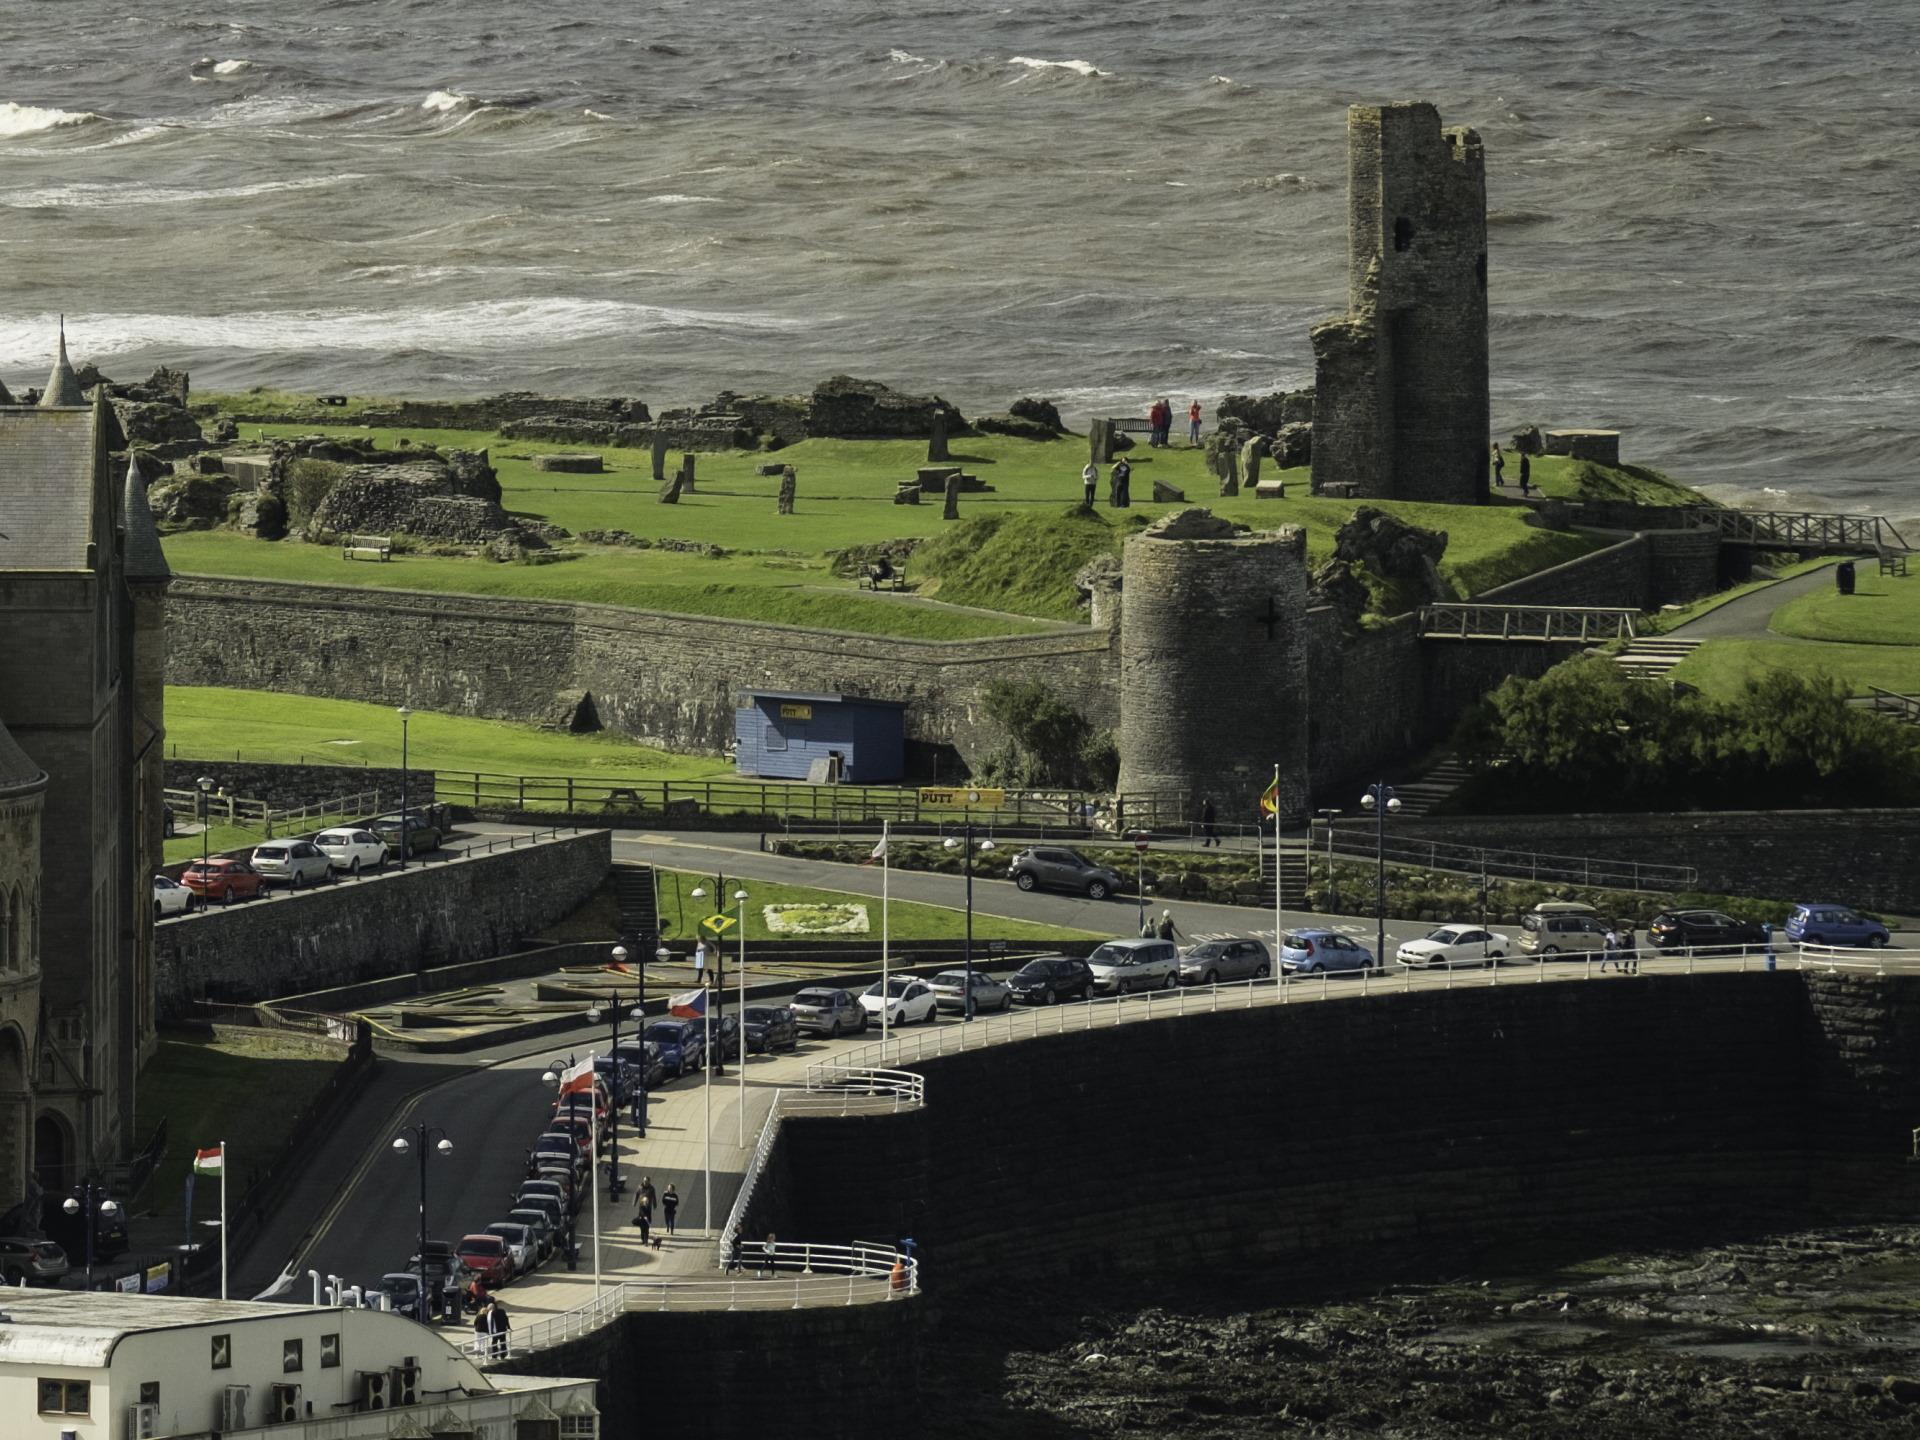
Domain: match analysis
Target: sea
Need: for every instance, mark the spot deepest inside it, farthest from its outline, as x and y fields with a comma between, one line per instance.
x=1704, y=228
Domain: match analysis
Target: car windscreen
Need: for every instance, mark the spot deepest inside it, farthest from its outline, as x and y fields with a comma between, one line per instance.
x=815, y=998
x=483, y=1245
x=1300, y=940
x=950, y=977
x=1035, y=970
x=664, y=1033
x=1212, y=950
x=894, y=987
x=1446, y=937
x=759, y=1015
x=1113, y=955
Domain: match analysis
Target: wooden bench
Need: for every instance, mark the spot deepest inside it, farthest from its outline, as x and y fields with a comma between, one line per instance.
x=367, y=547
x=1892, y=562
x=874, y=580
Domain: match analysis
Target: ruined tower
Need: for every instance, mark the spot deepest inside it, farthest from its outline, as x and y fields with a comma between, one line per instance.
x=1401, y=408
x=1213, y=664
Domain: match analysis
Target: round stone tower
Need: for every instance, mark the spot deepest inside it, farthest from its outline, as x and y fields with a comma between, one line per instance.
x=1213, y=664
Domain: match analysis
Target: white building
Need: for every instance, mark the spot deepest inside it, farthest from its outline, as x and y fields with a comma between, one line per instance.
x=108, y=1366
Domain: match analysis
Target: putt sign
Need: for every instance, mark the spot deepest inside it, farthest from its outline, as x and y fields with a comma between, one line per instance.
x=949, y=799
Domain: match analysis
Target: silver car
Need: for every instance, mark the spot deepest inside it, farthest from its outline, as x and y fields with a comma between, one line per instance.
x=1215, y=960
x=1123, y=965
x=828, y=1012
x=296, y=862
x=950, y=991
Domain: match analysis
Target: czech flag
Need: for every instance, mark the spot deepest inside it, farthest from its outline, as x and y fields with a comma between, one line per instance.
x=577, y=1079
x=692, y=1005
x=210, y=1162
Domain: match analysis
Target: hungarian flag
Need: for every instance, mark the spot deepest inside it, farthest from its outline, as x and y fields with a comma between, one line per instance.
x=689, y=1005
x=209, y=1162
x=577, y=1079
x=1270, y=801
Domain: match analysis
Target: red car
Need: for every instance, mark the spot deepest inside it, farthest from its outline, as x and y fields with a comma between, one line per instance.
x=487, y=1257
x=224, y=879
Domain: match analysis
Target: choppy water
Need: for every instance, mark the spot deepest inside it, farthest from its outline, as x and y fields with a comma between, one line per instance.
x=1704, y=225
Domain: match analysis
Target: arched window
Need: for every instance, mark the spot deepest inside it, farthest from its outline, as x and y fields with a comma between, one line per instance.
x=1402, y=233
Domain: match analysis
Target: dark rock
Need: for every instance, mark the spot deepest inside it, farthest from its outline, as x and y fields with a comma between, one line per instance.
x=1165, y=494
x=263, y=514
x=470, y=472
x=148, y=422
x=223, y=431
x=1392, y=549
x=952, y=511
x=937, y=440
x=1018, y=426
x=1194, y=524
x=1293, y=445
x=581, y=464
x=195, y=500
x=844, y=408
x=789, y=482
x=1529, y=441
x=1041, y=412
x=1335, y=585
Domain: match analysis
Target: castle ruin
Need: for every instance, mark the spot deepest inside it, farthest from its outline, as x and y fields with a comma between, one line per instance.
x=1401, y=405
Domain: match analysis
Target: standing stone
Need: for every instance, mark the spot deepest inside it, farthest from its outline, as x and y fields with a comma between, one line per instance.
x=1100, y=441
x=937, y=442
x=686, y=473
x=953, y=496
x=1251, y=454
x=670, y=489
x=788, y=482
x=1230, y=473
x=659, y=455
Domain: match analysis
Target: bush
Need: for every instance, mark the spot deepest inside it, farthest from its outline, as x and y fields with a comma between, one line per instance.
x=307, y=484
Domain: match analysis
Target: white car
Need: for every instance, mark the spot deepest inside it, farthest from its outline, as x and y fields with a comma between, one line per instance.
x=1123, y=965
x=295, y=861
x=1454, y=945
x=352, y=850
x=909, y=1002
x=170, y=897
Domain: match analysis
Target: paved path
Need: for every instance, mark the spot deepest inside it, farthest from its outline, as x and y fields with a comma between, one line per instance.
x=1747, y=618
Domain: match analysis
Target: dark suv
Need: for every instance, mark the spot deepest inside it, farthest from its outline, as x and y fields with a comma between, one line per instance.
x=1055, y=867
x=1698, y=929
x=1051, y=979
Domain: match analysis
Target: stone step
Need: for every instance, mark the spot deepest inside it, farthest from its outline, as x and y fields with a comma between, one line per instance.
x=633, y=893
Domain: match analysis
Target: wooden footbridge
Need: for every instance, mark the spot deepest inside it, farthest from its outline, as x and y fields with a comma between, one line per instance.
x=1540, y=624
x=1807, y=531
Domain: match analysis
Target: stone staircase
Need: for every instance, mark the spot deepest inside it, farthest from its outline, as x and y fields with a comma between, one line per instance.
x=633, y=893
x=1651, y=657
x=1421, y=794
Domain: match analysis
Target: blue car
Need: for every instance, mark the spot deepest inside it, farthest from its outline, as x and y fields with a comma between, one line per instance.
x=1833, y=925
x=681, y=1047
x=1311, y=952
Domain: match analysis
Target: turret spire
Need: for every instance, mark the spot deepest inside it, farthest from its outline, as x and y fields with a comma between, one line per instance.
x=63, y=386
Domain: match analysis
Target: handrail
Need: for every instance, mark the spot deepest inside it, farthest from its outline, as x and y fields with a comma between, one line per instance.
x=1361, y=841
x=1489, y=620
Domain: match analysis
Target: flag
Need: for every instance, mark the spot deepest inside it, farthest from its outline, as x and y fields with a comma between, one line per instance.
x=1270, y=801
x=577, y=1079
x=209, y=1162
x=689, y=1005
x=879, y=852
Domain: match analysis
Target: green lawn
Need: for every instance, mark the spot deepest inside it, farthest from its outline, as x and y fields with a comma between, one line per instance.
x=1675, y=616
x=1721, y=667
x=210, y=723
x=680, y=913
x=1883, y=610
x=243, y=1087
x=234, y=837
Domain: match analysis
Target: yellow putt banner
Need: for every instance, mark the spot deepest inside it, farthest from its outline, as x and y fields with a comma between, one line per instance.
x=962, y=799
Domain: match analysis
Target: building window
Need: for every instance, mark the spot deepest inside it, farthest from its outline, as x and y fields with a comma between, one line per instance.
x=64, y=1397
x=330, y=1351
x=291, y=1353
x=222, y=1352
x=149, y=1392
x=1402, y=234
x=579, y=1427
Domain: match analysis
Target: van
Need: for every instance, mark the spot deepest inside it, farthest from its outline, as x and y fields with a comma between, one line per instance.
x=1561, y=927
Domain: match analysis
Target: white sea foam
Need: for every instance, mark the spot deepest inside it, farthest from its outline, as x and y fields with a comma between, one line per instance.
x=684, y=199
x=87, y=195
x=32, y=119
x=1078, y=67
x=445, y=101
x=906, y=57
x=232, y=67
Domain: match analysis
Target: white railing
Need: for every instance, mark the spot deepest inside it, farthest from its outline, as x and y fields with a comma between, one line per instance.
x=828, y=1080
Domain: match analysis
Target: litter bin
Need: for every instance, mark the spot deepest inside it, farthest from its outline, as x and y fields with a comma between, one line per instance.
x=1843, y=577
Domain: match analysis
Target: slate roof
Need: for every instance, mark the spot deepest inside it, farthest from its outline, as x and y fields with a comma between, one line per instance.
x=63, y=386
x=74, y=1328
x=18, y=770
x=145, y=560
x=46, y=488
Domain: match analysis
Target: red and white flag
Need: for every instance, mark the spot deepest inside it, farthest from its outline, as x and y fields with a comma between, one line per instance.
x=689, y=1005
x=210, y=1162
x=578, y=1079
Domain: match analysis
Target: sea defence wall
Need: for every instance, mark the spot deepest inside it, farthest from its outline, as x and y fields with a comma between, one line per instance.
x=429, y=915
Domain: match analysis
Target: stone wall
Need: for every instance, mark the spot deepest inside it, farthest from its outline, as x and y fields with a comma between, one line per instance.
x=290, y=786
x=429, y=914
x=1858, y=857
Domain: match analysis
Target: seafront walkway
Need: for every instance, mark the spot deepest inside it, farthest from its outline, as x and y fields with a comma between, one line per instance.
x=864, y=1075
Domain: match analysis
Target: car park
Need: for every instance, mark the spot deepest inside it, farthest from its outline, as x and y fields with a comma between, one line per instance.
x=1321, y=952
x=908, y=1002
x=828, y=1012
x=544, y=1194
x=1452, y=946
x=770, y=1028
x=1056, y=867
x=26, y=1261
x=522, y=1250
x=540, y=1227
x=1212, y=961
x=1834, y=925
x=1562, y=932
x=487, y=1256
x=170, y=897
x=222, y=879
x=352, y=849
x=950, y=989
x=421, y=835
x=1051, y=979
x=681, y=1049
x=1702, y=929
x=643, y=1058
x=298, y=863
x=1122, y=966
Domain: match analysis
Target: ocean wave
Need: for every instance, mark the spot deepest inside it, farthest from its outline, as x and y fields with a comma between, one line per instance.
x=445, y=102
x=684, y=199
x=108, y=195
x=207, y=65
x=1084, y=68
x=33, y=119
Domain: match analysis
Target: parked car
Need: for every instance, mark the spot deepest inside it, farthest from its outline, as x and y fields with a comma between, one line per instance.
x=680, y=1046
x=1834, y=925
x=1315, y=952
x=1561, y=932
x=487, y=1256
x=402, y=1289
x=26, y=1261
x=643, y=1058
x=558, y=1148
x=170, y=897
x=1120, y=966
x=1452, y=946
x=297, y=862
x=422, y=835
x=1051, y=979
x=908, y=1002
x=828, y=1012
x=1695, y=929
x=222, y=878
x=540, y=1225
x=1212, y=961
x=443, y=1265
x=1055, y=867
x=352, y=849
x=722, y=1036
x=543, y=1195
x=522, y=1248
x=770, y=1028
x=950, y=988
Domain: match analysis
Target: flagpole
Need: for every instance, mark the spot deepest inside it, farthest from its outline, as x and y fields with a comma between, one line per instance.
x=741, y=1011
x=1279, y=920
x=886, y=877
x=706, y=1067
x=223, y=1219
x=593, y=1126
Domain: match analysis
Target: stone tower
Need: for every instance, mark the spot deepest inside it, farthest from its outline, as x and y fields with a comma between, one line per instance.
x=1213, y=664
x=147, y=577
x=1401, y=404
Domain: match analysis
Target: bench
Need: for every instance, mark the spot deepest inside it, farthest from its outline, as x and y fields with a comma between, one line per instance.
x=367, y=547
x=1342, y=488
x=1132, y=426
x=872, y=579
x=1892, y=562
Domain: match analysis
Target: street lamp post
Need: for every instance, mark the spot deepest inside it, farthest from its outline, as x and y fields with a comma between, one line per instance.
x=740, y=1110
x=75, y=1205
x=205, y=782
x=613, y=1110
x=423, y=1140
x=717, y=989
x=1380, y=800
x=1329, y=816
x=1140, y=880
x=950, y=843
x=405, y=715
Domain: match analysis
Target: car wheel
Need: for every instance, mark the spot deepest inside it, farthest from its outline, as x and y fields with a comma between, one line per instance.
x=1212, y=977
x=227, y=896
x=1024, y=880
x=1047, y=997
x=1875, y=940
x=1496, y=955
x=834, y=1033
x=1172, y=979
x=299, y=879
x=1097, y=890
x=1262, y=972
x=1550, y=950
x=1816, y=939
x=353, y=867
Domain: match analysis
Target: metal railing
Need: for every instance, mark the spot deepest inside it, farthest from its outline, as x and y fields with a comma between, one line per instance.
x=1360, y=841
x=259, y=815
x=1892, y=702
x=1804, y=529
x=1540, y=624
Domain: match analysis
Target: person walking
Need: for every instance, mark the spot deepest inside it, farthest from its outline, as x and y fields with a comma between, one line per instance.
x=1526, y=471
x=1499, y=466
x=734, y=1256
x=1629, y=951
x=1610, y=949
x=643, y=1214
x=1119, y=492
x=499, y=1330
x=1209, y=831
x=1166, y=930
x=1090, y=478
x=481, y=1335
x=670, y=1205
x=700, y=962
x=1193, y=423
x=769, y=1254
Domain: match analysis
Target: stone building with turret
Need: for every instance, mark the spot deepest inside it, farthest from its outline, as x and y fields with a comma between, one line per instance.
x=82, y=598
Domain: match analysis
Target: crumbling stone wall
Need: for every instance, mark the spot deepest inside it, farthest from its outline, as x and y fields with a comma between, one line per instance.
x=844, y=408
x=1401, y=396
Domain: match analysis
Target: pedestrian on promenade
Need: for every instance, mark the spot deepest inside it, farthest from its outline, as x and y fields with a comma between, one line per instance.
x=734, y=1256
x=1629, y=951
x=1499, y=466
x=639, y=1106
x=1166, y=930
x=1610, y=950
x=670, y=1206
x=1118, y=493
x=1193, y=423
x=500, y=1327
x=1526, y=471
x=1090, y=478
x=643, y=1214
x=768, y=1254
x=700, y=960
x=482, y=1336
x=1209, y=832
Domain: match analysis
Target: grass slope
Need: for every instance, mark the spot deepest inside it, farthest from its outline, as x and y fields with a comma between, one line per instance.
x=1883, y=610
x=1721, y=667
